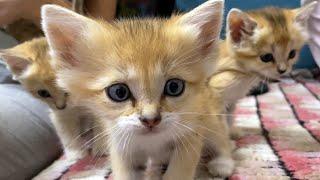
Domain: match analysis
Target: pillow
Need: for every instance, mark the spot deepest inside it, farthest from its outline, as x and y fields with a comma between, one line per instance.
x=28, y=142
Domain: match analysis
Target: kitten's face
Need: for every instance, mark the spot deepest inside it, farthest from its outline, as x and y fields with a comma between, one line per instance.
x=138, y=76
x=268, y=41
x=30, y=65
x=44, y=87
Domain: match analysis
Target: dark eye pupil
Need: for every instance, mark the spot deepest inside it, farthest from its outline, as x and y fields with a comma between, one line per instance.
x=174, y=87
x=121, y=92
x=44, y=93
x=292, y=54
x=267, y=57
x=118, y=92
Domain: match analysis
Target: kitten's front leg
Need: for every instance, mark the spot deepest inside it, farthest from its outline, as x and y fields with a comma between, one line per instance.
x=124, y=166
x=99, y=146
x=67, y=125
x=184, y=159
x=220, y=143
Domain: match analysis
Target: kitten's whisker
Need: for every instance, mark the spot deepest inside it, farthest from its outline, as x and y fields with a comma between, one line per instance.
x=187, y=140
x=177, y=147
x=94, y=139
x=199, y=134
x=204, y=114
x=129, y=154
x=101, y=151
x=79, y=136
x=184, y=146
x=126, y=141
x=253, y=81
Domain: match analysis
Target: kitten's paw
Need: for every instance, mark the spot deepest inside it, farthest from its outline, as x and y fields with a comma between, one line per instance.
x=242, y=154
x=108, y=169
x=221, y=166
x=236, y=133
x=94, y=174
x=75, y=154
x=233, y=145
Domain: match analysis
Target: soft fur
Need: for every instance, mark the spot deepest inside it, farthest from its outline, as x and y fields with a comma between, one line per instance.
x=253, y=34
x=250, y=35
x=91, y=55
x=30, y=64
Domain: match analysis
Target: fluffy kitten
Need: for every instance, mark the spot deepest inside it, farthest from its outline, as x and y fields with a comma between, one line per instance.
x=261, y=44
x=29, y=63
x=146, y=81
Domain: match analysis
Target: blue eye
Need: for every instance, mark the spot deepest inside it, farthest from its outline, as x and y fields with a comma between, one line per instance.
x=118, y=92
x=174, y=87
x=267, y=57
x=44, y=93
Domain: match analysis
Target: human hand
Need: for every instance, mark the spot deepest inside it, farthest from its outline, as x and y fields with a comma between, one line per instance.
x=12, y=10
x=9, y=11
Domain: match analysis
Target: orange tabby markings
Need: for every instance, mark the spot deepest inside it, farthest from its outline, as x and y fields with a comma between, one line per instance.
x=133, y=73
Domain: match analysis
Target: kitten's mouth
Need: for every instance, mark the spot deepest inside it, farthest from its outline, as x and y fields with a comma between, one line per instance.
x=61, y=107
x=265, y=77
x=147, y=130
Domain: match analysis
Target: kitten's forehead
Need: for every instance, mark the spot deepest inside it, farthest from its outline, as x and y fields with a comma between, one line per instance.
x=140, y=42
x=143, y=53
x=151, y=47
x=275, y=23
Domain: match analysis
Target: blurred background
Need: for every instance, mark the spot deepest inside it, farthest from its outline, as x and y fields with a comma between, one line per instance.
x=129, y=8
x=11, y=13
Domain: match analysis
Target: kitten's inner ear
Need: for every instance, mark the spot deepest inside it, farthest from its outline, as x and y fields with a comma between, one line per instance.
x=207, y=21
x=63, y=29
x=303, y=13
x=17, y=64
x=240, y=25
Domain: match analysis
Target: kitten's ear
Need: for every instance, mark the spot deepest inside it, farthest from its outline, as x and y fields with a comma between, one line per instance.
x=302, y=14
x=16, y=62
x=239, y=25
x=207, y=21
x=63, y=29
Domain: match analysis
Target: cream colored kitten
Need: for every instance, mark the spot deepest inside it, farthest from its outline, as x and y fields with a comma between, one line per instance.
x=146, y=81
x=29, y=63
x=260, y=45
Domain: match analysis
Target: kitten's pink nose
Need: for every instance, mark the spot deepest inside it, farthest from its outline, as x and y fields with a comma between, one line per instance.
x=150, y=123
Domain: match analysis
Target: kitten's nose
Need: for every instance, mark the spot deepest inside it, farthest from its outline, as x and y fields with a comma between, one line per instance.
x=61, y=107
x=281, y=71
x=150, y=122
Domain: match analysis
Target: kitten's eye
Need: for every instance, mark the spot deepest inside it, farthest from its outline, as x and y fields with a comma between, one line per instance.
x=174, y=87
x=118, y=92
x=44, y=93
x=292, y=54
x=267, y=58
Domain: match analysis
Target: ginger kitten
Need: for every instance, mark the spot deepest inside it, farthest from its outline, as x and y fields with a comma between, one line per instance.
x=261, y=44
x=146, y=81
x=29, y=63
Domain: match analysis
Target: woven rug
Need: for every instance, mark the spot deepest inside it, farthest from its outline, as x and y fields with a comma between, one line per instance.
x=281, y=135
